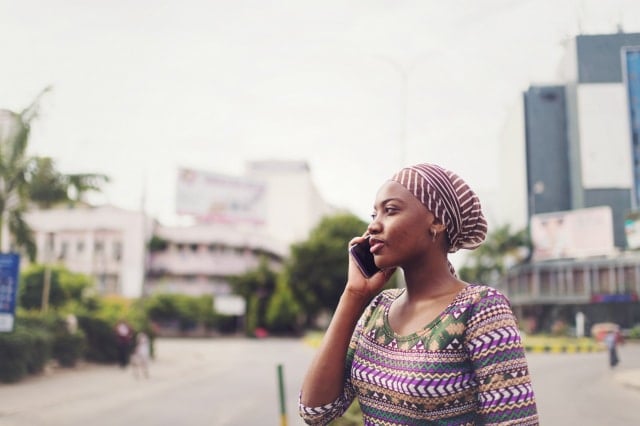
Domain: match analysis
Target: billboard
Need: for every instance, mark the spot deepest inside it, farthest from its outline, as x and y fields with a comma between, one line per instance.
x=572, y=234
x=212, y=197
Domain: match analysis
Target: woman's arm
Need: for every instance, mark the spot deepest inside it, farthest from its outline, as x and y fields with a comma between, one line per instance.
x=325, y=379
x=505, y=392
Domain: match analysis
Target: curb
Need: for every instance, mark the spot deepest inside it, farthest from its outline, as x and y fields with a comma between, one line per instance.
x=563, y=348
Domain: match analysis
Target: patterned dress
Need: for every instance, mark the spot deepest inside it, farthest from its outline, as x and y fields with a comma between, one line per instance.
x=466, y=367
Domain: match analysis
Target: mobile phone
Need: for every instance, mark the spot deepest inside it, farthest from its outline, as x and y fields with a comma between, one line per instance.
x=364, y=258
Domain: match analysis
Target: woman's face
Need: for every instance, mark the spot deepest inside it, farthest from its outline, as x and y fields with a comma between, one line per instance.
x=400, y=228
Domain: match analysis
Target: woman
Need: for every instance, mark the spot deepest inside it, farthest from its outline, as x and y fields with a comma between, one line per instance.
x=439, y=351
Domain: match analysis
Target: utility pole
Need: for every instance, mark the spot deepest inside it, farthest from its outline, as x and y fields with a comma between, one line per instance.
x=46, y=287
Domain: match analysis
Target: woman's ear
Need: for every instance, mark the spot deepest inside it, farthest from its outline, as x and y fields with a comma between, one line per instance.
x=438, y=226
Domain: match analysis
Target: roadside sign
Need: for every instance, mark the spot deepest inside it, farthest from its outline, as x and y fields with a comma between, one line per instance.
x=229, y=305
x=9, y=269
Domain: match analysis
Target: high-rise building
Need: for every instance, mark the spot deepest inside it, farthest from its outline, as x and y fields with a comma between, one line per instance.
x=582, y=147
x=582, y=152
x=548, y=180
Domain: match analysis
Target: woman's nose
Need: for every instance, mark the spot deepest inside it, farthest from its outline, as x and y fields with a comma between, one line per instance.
x=373, y=227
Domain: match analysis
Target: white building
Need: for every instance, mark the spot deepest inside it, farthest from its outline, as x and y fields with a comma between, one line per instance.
x=110, y=243
x=294, y=206
x=200, y=259
x=107, y=243
x=239, y=221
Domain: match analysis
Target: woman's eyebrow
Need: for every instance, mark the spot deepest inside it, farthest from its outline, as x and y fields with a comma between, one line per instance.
x=388, y=200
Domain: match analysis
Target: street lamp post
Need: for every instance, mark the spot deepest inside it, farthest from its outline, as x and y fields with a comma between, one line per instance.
x=404, y=71
x=46, y=286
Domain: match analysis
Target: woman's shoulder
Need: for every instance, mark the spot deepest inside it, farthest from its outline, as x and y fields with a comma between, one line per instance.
x=385, y=297
x=478, y=293
x=390, y=294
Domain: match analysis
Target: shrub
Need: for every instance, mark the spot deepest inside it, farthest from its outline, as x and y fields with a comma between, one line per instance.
x=634, y=333
x=180, y=311
x=282, y=311
x=68, y=348
x=100, y=339
x=23, y=351
x=39, y=351
x=65, y=346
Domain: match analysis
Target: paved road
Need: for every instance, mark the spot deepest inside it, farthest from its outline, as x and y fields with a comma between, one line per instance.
x=234, y=382
x=581, y=389
x=192, y=382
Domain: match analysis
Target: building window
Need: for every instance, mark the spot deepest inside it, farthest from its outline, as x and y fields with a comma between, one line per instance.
x=117, y=251
x=64, y=246
x=80, y=246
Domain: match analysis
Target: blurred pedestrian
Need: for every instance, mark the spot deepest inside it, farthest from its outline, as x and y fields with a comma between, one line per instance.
x=124, y=336
x=440, y=350
x=141, y=355
x=611, y=342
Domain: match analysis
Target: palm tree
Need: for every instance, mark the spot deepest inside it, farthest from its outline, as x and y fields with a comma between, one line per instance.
x=15, y=128
x=80, y=183
x=502, y=249
x=46, y=184
x=25, y=180
x=48, y=187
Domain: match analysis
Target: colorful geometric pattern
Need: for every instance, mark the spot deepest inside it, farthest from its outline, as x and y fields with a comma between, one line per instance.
x=466, y=367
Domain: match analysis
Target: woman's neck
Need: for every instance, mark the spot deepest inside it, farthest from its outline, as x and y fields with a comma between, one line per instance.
x=430, y=279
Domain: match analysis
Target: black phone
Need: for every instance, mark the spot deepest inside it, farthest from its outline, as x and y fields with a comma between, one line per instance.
x=364, y=258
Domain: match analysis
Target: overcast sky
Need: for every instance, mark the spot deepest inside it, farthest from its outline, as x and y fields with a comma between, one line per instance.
x=141, y=88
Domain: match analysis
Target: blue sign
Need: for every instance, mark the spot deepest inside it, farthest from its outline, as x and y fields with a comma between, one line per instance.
x=9, y=270
x=614, y=298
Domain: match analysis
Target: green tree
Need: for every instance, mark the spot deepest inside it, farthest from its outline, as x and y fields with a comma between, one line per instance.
x=187, y=311
x=283, y=310
x=66, y=286
x=15, y=129
x=502, y=249
x=48, y=186
x=25, y=179
x=317, y=269
x=256, y=287
x=79, y=184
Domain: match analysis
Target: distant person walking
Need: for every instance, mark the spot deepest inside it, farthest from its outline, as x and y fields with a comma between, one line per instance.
x=141, y=355
x=124, y=335
x=611, y=341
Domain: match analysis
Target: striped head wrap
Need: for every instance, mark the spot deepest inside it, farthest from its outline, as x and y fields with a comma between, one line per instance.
x=450, y=200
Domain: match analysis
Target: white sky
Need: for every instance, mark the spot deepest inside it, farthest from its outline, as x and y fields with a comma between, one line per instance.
x=143, y=87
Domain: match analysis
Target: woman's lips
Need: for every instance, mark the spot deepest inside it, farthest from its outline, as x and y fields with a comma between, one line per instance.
x=376, y=245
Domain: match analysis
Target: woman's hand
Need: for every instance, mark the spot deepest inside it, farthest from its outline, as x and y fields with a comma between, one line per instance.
x=358, y=284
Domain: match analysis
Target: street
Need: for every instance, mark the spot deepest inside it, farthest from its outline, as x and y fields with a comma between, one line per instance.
x=234, y=382
x=580, y=388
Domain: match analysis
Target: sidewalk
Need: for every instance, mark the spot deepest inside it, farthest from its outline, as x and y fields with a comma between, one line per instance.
x=628, y=378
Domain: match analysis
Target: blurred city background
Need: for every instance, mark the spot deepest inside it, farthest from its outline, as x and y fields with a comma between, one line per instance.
x=196, y=169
